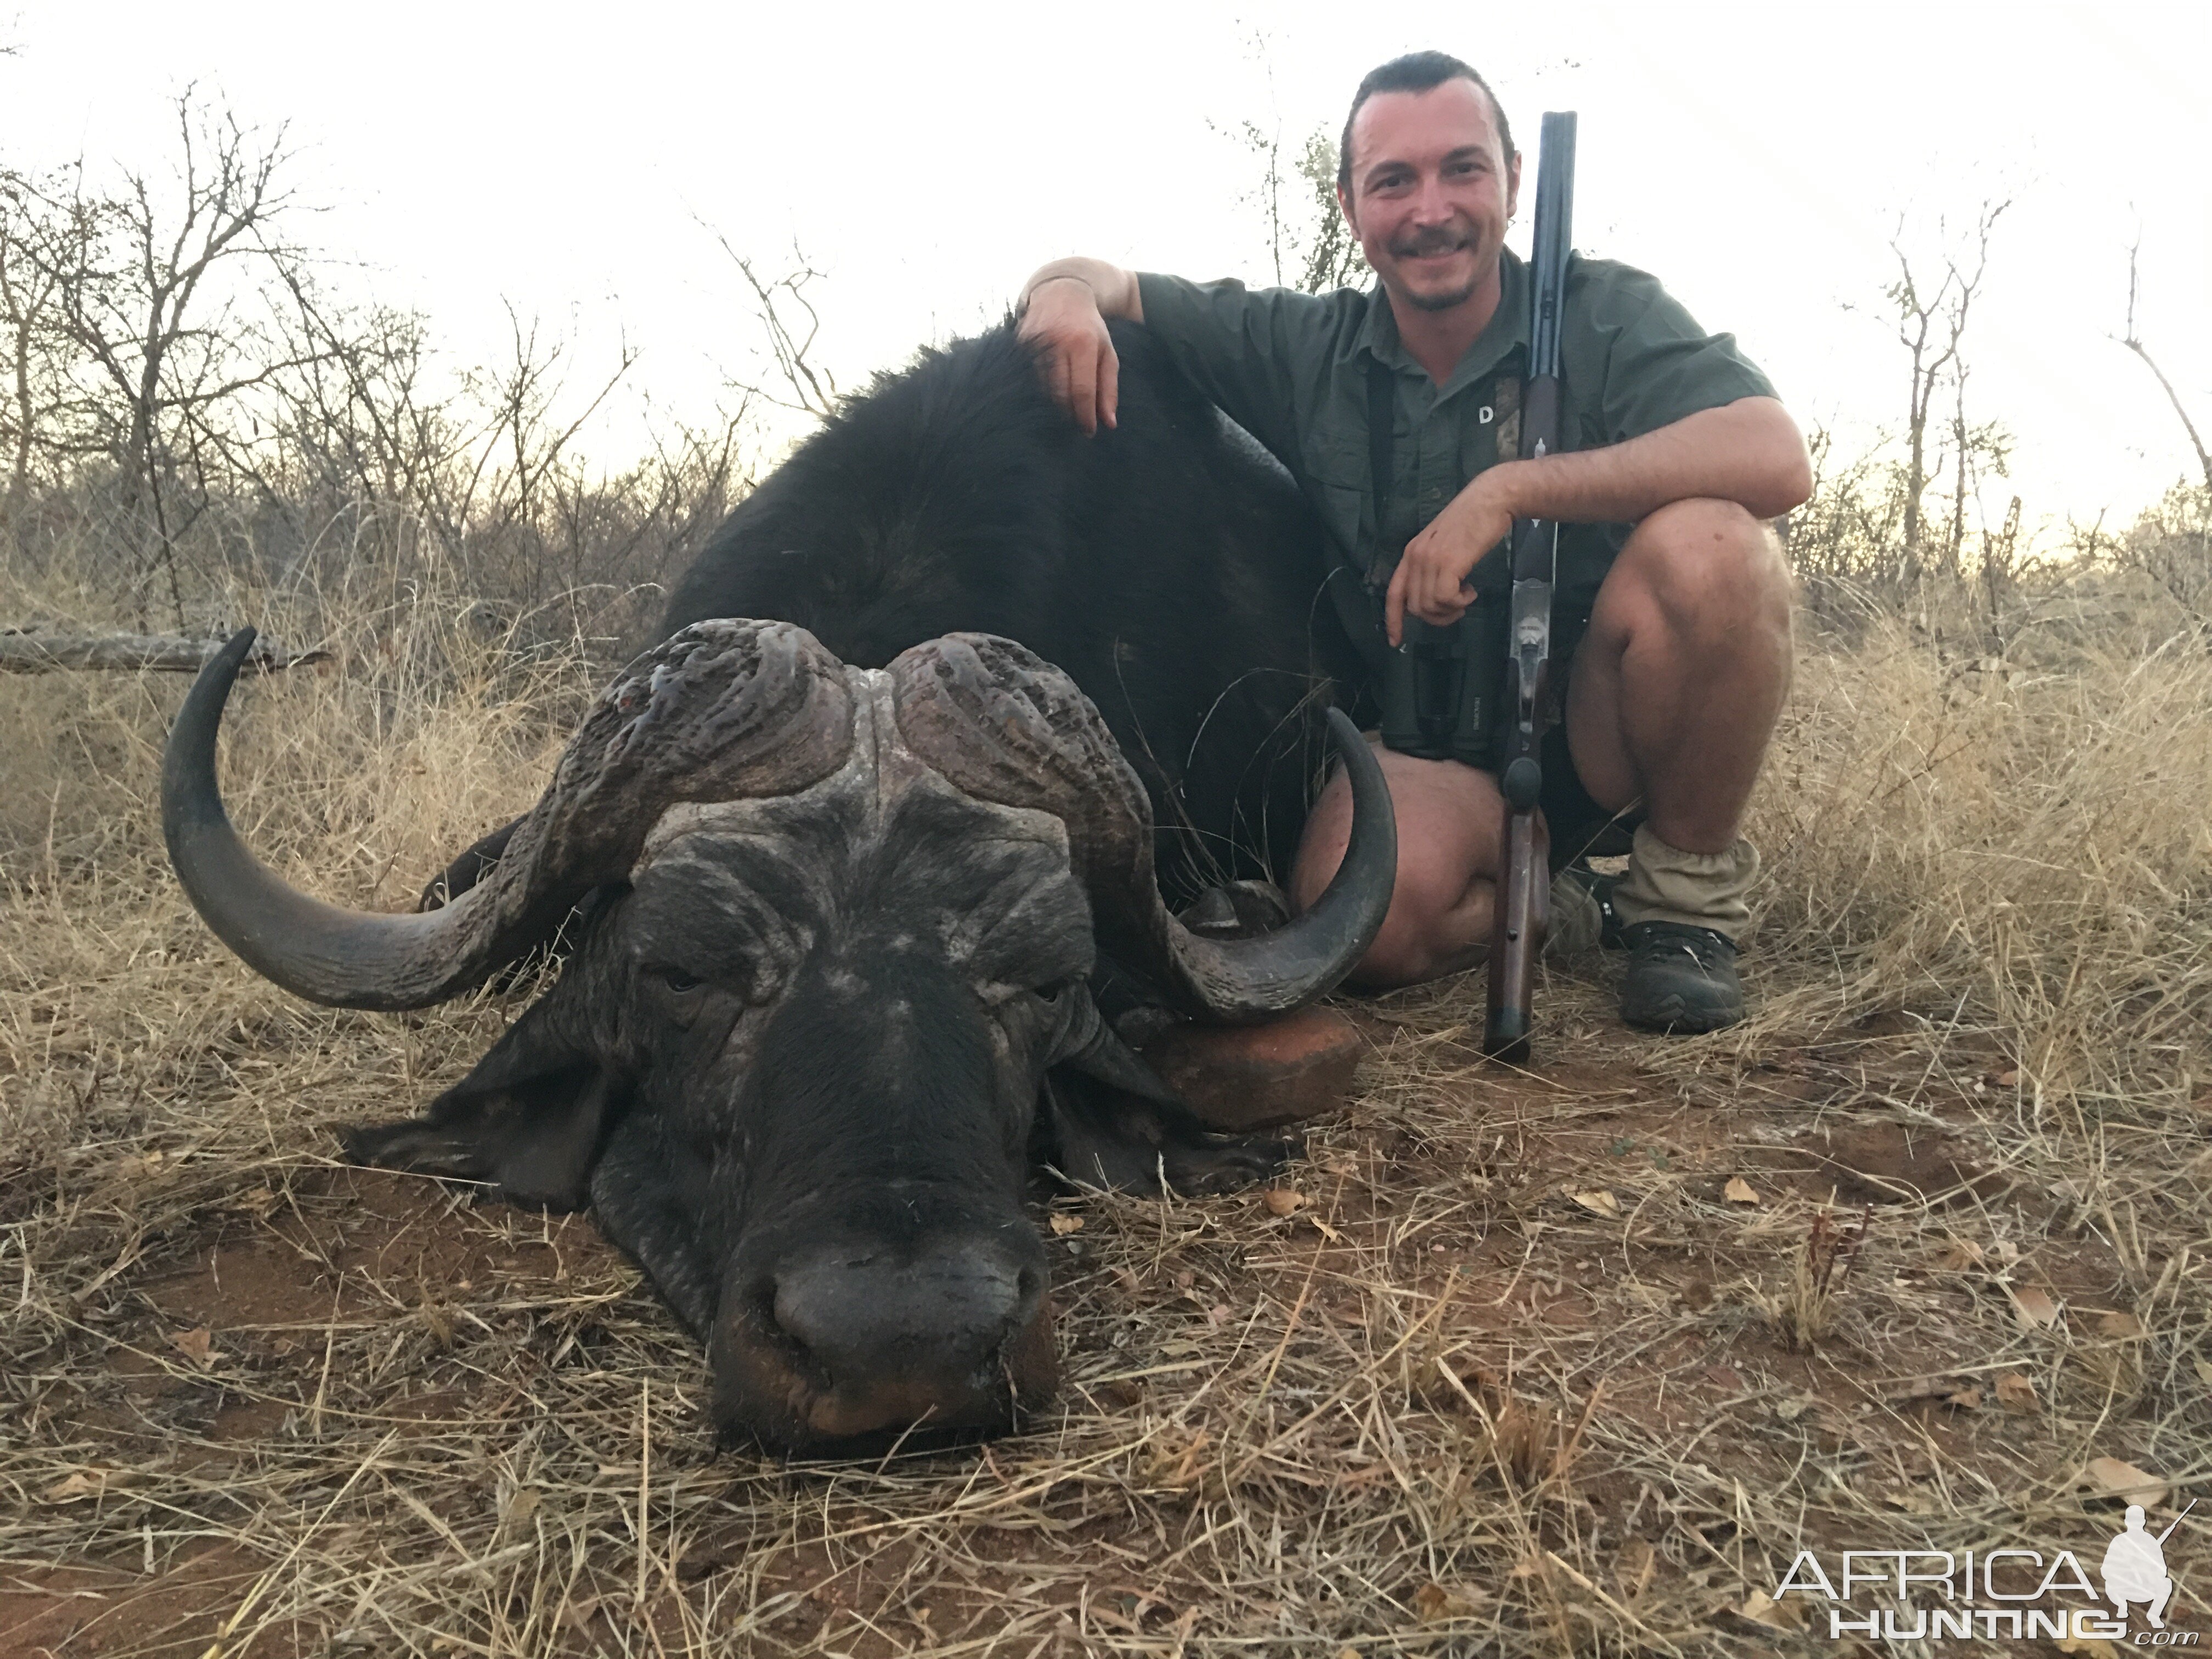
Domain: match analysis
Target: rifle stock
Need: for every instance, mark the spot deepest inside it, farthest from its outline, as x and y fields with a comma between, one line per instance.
x=1521, y=908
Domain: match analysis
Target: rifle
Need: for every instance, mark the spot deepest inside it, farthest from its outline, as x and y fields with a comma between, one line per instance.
x=1521, y=912
x=2176, y=1521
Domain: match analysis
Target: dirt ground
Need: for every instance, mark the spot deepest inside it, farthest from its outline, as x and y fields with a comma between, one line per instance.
x=1518, y=1371
x=1571, y=1360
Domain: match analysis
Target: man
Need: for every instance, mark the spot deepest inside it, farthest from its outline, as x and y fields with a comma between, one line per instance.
x=1672, y=622
x=2135, y=1571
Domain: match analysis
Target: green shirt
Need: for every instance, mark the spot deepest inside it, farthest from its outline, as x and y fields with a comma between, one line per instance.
x=1292, y=369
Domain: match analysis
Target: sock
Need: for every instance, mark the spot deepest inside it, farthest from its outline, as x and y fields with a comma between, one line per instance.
x=1696, y=890
x=1576, y=921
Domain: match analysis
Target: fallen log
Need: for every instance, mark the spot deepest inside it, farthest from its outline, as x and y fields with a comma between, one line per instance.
x=39, y=653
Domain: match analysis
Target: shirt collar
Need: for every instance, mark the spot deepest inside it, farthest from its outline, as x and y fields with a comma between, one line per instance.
x=1508, y=328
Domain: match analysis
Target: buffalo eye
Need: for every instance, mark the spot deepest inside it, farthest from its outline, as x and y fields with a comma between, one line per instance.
x=678, y=980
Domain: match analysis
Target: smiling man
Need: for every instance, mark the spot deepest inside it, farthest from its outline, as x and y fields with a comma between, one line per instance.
x=1672, y=632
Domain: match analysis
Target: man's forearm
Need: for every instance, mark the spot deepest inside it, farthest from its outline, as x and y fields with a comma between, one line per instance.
x=1114, y=288
x=1749, y=452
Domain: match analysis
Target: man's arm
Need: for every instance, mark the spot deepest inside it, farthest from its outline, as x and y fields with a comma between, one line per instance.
x=1064, y=308
x=1749, y=452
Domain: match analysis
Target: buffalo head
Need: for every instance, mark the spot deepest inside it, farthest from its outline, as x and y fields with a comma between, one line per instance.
x=829, y=936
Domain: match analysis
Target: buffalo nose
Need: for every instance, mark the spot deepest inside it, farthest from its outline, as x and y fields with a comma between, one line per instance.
x=934, y=1321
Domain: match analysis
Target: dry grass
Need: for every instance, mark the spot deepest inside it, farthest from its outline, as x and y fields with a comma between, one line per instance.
x=1519, y=1375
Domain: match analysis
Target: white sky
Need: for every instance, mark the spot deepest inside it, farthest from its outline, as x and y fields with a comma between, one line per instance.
x=1759, y=159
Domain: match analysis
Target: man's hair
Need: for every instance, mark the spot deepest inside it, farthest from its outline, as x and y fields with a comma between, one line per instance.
x=1417, y=71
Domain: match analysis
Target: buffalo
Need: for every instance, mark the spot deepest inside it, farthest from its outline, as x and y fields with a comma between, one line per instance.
x=863, y=873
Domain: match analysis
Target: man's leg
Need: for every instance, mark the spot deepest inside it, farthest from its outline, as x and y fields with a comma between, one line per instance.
x=1675, y=692
x=1449, y=817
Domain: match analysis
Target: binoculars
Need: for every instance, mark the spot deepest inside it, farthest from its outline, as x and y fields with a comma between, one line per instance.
x=1442, y=687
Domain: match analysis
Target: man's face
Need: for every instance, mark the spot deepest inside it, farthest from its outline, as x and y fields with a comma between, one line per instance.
x=1432, y=190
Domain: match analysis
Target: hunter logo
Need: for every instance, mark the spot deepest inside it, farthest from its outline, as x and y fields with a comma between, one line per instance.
x=2016, y=1595
x=2135, y=1568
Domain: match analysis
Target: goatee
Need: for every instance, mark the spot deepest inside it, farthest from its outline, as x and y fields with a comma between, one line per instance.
x=1446, y=300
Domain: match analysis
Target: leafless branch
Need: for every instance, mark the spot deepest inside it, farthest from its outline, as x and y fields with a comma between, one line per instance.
x=2133, y=342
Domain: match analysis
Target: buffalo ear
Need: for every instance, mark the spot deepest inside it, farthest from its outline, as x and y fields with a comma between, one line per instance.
x=1097, y=1131
x=531, y=1118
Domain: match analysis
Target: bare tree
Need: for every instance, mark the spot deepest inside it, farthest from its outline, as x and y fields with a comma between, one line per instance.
x=792, y=325
x=1931, y=325
x=2133, y=342
x=141, y=277
x=30, y=314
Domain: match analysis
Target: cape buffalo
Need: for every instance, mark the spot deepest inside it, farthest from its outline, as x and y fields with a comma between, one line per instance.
x=838, y=886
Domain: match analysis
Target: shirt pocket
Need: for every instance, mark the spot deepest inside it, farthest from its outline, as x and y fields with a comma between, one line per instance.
x=1340, y=459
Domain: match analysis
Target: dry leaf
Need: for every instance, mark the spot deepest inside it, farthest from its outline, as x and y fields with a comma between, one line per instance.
x=196, y=1344
x=2005, y=1079
x=2118, y=1479
x=1762, y=1609
x=2204, y=1372
x=2016, y=1393
x=1963, y=1256
x=1063, y=1225
x=2035, y=1308
x=257, y=1203
x=1433, y=1604
x=1599, y=1201
x=1965, y=1399
x=1637, y=1562
x=1945, y=1389
x=85, y=1483
x=521, y=1504
x=2120, y=1325
x=2096, y=1647
x=1282, y=1200
x=1340, y=1166
x=1739, y=1191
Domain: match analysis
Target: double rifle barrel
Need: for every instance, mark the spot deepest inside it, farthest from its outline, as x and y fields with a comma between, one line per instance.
x=1521, y=908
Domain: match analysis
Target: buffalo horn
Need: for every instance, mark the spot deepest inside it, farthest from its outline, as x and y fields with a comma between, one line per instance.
x=722, y=711
x=1003, y=725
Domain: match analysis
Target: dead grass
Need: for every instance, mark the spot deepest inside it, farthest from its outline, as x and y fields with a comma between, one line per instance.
x=1510, y=1378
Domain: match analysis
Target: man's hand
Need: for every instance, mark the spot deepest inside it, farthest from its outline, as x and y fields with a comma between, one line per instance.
x=1428, y=580
x=1081, y=369
x=1749, y=452
x=1064, y=309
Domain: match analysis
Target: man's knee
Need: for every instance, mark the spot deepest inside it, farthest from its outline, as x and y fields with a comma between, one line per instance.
x=1707, y=566
x=1426, y=931
x=1447, y=816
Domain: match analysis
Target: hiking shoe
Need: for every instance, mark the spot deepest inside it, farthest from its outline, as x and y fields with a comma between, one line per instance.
x=1679, y=978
